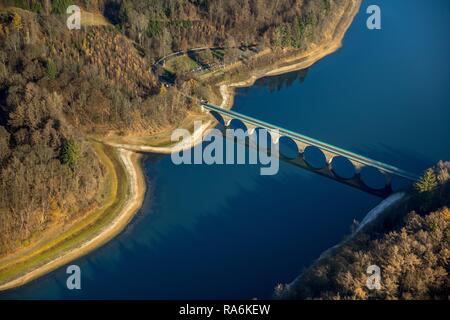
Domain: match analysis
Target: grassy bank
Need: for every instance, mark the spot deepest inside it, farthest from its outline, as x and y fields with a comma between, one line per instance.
x=121, y=195
x=116, y=191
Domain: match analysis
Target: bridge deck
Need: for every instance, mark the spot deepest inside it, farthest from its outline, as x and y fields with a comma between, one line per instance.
x=313, y=142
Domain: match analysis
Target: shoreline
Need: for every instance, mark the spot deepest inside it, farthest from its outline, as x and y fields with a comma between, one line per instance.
x=369, y=219
x=227, y=90
x=136, y=182
x=131, y=160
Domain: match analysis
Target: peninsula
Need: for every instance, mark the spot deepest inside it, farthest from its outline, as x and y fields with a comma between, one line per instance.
x=80, y=106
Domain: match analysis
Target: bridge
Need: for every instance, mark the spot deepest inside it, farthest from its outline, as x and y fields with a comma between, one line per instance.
x=329, y=152
x=162, y=61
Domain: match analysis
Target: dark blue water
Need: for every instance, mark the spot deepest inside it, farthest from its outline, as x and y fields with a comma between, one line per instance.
x=227, y=232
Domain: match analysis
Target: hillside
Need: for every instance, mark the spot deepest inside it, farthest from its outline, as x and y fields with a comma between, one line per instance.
x=53, y=83
x=410, y=245
x=59, y=88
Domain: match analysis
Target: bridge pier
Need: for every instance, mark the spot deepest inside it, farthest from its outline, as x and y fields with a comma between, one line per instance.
x=355, y=181
x=275, y=136
x=227, y=121
x=328, y=157
x=329, y=152
x=301, y=147
x=388, y=178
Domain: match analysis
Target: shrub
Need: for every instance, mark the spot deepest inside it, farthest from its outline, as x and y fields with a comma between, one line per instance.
x=70, y=154
x=60, y=6
x=51, y=69
x=426, y=189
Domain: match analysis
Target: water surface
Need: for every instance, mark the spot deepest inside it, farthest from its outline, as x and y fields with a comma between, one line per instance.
x=212, y=232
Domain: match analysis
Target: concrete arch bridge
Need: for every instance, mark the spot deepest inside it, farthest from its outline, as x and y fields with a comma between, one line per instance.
x=298, y=146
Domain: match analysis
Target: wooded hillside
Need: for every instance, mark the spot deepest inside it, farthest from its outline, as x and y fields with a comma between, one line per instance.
x=58, y=86
x=410, y=245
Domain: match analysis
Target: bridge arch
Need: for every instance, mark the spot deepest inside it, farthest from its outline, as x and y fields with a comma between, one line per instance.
x=369, y=175
x=237, y=124
x=288, y=148
x=342, y=167
x=314, y=158
x=373, y=178
x=218, y=117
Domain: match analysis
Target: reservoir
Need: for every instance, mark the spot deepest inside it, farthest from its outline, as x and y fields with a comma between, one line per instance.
x=226, y=232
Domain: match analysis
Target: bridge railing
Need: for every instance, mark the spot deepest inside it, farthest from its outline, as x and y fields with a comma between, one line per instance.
x=314, y=142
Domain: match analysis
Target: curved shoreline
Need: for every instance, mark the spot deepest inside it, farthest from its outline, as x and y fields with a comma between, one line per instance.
x=369, y=219
x=227, y=90
x=136, y=191
x=131, y=160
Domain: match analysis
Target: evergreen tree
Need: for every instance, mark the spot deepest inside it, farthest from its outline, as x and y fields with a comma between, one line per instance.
x=426, y=189
x=51, y=70
x=70, y=154
x=427, y=183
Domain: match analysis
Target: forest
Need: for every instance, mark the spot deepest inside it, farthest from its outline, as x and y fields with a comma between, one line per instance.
x=58, y=88
x=164, y=26
x=410, y=246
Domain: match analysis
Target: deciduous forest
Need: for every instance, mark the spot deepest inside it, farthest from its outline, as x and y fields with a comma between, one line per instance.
x=59, y=88
x=410, y=245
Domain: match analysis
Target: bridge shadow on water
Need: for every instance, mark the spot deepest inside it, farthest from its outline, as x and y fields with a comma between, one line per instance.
x=223, y=240
x=368, y=179
x=408, y=159
x=240, y=249
x=343, y=165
